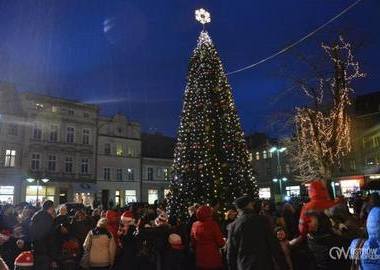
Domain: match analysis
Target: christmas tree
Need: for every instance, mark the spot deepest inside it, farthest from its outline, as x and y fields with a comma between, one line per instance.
x=211, y=159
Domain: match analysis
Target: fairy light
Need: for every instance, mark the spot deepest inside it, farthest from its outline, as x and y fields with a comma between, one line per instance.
x=323, y=136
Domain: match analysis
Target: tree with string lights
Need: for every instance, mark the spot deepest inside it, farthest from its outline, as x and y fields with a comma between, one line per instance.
x=211, y=159
x=323, y=128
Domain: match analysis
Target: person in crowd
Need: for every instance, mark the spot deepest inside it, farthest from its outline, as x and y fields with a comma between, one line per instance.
x=8, y=228
x=319, y=201
x=113, y=218
x=41, y=231
x=290, y=219
x=321, y=239
x=25, y=218
x=126, y=259
x=285, y=245
x=100, y=247
x=373, y=201
x=95, y=216
x=229, y=217
x=207, y=239
x=80, y=226
x=266, y=211
x=216, y=214
x=251, y=244
x=369, y=257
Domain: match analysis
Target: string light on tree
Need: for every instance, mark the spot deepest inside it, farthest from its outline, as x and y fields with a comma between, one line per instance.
x=211, y=159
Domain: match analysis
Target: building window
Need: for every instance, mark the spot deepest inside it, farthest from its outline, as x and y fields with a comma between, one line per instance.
x=107, y=174
x=10, y=158
x=37, y=132
x=70, y=135
x=117, y=198
x=264, y=193
x=107, y=149
x=257, y=155
x=119, y=175
x=131, y=151
x=86, y=136
x=119, y=150
x=53, y=136
x=84, y=167
x=70, y=112
x=35, y=165
x=376, y=141
x=86, y=115
x=54, y=109
x=160, y=172
x=150, y=174
x=293, y=191
x=152, y=195
x=7, y=194
x=130, y=196
x=52, y=163
x=12, y=130
x=69, y=164
x=265, y=154
x=349, y=187
x=39, y=107
x=44, y=193
x=130, y=174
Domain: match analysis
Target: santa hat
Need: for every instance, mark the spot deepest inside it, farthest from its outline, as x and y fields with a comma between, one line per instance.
x=161, y=219
x=127, y=216
x=175, y=241
x=25, y=259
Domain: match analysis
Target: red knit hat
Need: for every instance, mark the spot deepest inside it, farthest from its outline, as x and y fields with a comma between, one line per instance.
x=25, y=259
x=113, y=216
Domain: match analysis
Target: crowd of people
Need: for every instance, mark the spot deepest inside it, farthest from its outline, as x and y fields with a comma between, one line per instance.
x=252, y=234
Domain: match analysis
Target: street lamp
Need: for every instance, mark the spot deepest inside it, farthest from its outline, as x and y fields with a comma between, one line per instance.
x=280, y=180
x=279, y=172
x=32, y=180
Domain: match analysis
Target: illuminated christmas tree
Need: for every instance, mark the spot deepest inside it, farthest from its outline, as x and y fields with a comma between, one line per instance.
x=211, y=159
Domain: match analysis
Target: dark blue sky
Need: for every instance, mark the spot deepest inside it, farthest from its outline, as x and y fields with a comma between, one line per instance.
x=132, y=56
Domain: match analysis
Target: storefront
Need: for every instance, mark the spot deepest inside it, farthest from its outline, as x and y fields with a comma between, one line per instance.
x=84, y=193
x=7, y=194
x=264, y=193
x=38, y=193
x=349, y=185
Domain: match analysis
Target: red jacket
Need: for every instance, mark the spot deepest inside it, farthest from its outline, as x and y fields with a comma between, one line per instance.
x=319, y=201
x=207, y=238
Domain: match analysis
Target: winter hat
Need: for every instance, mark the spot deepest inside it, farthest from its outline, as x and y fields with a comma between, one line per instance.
x=127, y=216
x=175, y=241
x=242, y=201
x=161, y=219
x=24, y=261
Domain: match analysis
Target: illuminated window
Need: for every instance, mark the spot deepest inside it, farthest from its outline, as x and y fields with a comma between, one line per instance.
x=130, y=196
x=54, y=109
x=39, y=106
x=52, y=163
x=35, y=164
x=7, y=194
x=70, y=135
x=265, y=154
x=107, y=173
x=152, y=195
x=264, y=193
x=119, y=150
x=10, y=158
x=293, y=191
x=166, y=174
x=86, y=136
x=53, y=136
x=130, y=174
x=117, y=197
x=39, y=193
x=257, y=155
x=348, y=187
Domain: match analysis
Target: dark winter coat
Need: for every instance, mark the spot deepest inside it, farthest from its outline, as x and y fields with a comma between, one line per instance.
x=251, y=244
x=372, y=244
x=41, y=232
x=319, y=201
x=126, y=259
x=207, y=239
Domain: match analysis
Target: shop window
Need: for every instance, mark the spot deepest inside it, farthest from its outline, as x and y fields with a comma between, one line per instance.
x=107, y=174
x=10, y=158
x=152, y=195
x=130, y=196
x=35, y=164
x=293, y=191
x=348, y=187
x=7, y=194
x=52, y=163
x=39, y=194
x=53, y=136
x=264, y=193
x=130, y=174
x=86, y=136
x=70, y=135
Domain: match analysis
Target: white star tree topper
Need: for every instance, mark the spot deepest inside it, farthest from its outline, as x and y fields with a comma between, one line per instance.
x=202, y=16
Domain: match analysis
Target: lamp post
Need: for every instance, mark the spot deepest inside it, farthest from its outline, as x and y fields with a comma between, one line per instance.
x=32, y=180
x=279, y=179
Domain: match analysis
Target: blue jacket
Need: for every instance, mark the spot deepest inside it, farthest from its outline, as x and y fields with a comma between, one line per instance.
x=370, y=256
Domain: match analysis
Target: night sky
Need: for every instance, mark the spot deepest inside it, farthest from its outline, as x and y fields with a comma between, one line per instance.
x=132, y=56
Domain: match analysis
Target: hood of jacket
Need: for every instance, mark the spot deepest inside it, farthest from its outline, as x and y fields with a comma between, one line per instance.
x=373, y=223
x=318, y=191
x=204, y=213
